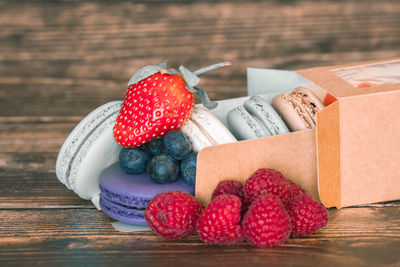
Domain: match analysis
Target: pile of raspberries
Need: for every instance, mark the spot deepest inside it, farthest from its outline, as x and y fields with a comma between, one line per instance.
x=265, y=211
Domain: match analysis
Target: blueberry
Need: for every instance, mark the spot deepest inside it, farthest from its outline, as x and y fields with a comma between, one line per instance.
x=163, y=169
x=177, y=144
x=155, y=146
x=134, y=160
x=188, y=168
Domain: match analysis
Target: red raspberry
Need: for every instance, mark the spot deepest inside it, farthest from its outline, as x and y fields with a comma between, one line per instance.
x=266, y=223
x=296, y=189
x=307, y=215
x=231, y=187
x=173, y=214
x=220, y=222
x=267, y=181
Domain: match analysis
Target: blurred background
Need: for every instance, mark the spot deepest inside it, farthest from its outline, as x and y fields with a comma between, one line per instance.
x=64, y=58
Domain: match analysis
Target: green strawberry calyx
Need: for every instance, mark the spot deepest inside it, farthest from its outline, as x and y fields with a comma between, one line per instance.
x=191, y=78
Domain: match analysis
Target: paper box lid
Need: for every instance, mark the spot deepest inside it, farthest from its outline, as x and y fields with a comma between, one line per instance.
x=358, y=140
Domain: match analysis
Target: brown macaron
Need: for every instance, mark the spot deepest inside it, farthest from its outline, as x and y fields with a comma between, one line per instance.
x=298, y=109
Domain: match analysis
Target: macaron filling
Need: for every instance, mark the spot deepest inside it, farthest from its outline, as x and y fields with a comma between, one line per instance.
x=300, y=110
x=257, y=109
x=122, y=213
x=249, y=120
x=307, y=102
x=124, y=197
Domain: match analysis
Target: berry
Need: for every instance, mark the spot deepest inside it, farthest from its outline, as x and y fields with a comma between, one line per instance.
x=155, y=146
x=307, y=215
x=267, y=181
x=220, y=222
x=173, y=214
x=133, y=160
x=229, y=187
x=162, y=169
x=188, y=168
x=296, y=189
x=158, y=101
x=151, y=108
x=177, y=144
x=266, y=223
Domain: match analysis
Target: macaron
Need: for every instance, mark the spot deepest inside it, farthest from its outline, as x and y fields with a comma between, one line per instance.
x=298, y=109
x=124, y=197
x=255, y=119
x=88, y=150
x=204, y=129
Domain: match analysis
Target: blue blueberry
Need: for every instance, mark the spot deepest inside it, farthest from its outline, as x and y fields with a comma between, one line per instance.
x=134, y=160
x=155, y=146
x=163, y=169
x=177, y=144
x=188, y=168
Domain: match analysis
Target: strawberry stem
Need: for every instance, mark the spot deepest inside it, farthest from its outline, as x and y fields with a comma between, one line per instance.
x=212, y=67
x=204, y=98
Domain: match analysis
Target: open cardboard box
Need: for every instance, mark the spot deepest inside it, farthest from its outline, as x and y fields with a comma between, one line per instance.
x=351, y=158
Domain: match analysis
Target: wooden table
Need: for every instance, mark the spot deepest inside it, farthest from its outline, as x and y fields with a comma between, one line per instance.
x=60, y=60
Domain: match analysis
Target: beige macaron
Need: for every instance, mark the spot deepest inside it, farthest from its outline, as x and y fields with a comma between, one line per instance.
x=298, y=109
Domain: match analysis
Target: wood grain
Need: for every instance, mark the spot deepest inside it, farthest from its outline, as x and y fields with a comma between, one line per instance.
x=61, y=59
x=358, y=236
x=67, y=58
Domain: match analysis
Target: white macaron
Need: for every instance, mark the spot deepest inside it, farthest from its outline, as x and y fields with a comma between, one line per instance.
x=88, y=150
x=204, y=129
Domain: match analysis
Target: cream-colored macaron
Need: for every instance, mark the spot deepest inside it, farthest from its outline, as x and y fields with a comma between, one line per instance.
x=88, y=150
x=204, y=129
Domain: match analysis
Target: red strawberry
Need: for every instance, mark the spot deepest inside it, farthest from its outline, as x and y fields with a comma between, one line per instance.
x=151, y=108
x=158, y=100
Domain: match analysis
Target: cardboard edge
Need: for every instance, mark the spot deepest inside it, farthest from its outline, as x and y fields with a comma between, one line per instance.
x=338, y=87
x=293, y=154
x=328, y=155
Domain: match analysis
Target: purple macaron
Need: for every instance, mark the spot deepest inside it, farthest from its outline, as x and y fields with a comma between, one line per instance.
x=124, y=197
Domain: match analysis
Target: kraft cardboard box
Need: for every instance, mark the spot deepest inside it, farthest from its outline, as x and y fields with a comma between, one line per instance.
x=353, y=155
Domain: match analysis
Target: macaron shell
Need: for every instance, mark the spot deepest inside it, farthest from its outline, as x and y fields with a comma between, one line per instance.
x=98, y=152
x=136, y=190
x=122, y=213
x=78, y=135
x=211, y=126
x=196, y=137
x=265, y=114
x=310, y=102
x=243, y=126
x=292, y=112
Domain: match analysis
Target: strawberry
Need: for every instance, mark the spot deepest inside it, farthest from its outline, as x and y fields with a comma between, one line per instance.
x=158, y=100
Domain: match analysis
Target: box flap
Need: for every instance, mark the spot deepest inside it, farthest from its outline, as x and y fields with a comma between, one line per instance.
x=293, y=154
x=326, y=78
x=328, y=147
x=370, y=148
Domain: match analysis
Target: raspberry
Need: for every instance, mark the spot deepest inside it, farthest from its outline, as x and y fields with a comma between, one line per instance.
x=307, y=215
x=229, y=187
x=296, y=189
x=266, y=223
x=173, y=214
x=267, y=181
x=220, y=222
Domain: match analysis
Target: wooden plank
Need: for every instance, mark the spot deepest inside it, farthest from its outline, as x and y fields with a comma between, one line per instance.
x=70, y=57
x=356, y=236
x=29, y=148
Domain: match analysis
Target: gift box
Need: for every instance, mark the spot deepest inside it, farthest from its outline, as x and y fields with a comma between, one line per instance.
x=353, y=155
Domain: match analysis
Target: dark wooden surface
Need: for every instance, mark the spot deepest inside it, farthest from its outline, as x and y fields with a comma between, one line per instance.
x=59, y=60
